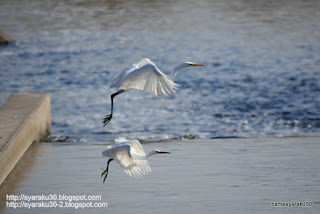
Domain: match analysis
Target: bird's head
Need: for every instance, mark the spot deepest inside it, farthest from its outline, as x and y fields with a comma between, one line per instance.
x=191, y=64
x=182, y=66
x=156, y=151
x=161, y=152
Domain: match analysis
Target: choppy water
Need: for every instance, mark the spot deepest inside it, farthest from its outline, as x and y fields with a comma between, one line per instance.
x=262, y=73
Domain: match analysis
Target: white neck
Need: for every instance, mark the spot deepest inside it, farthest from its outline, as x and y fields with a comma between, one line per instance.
x=177, y=69
x=142, y=157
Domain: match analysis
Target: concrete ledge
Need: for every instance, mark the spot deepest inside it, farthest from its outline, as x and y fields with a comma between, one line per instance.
x=4, y=38
x=24, y=119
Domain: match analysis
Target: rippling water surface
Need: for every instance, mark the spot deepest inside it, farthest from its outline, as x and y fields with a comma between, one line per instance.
x=262, y=73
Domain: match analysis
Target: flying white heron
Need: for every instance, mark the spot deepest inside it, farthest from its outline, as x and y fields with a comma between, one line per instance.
x=131, y=157
x=145, y=75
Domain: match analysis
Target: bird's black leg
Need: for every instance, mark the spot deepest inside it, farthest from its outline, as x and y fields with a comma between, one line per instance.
x=108, y=117
x=105, y=172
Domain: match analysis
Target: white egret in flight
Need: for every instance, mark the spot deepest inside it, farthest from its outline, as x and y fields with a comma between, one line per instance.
x=146, y=76
x=131, y=157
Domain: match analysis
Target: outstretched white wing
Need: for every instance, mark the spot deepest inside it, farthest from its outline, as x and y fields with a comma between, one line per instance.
x=133, y=167
x=136, y=145
x=137, y=149
x=145, y=76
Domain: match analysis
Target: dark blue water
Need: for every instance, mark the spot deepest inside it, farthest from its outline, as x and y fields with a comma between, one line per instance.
x=262, y=73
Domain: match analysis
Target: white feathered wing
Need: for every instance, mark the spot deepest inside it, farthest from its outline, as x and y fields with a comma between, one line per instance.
x=146, y=76
x=121, y=152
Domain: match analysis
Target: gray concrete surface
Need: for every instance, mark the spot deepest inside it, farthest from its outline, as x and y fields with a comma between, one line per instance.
x=24, y=119
x=5, y=38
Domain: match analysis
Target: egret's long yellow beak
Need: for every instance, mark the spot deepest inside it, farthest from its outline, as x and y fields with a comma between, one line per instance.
x=196, y=64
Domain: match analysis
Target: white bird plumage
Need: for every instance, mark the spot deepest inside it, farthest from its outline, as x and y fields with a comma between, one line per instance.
x=131, y=157
x=145, y=75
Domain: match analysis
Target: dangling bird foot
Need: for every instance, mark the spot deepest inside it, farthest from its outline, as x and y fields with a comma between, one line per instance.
x=104, y=172
x=105, y=177
x=107, y=119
